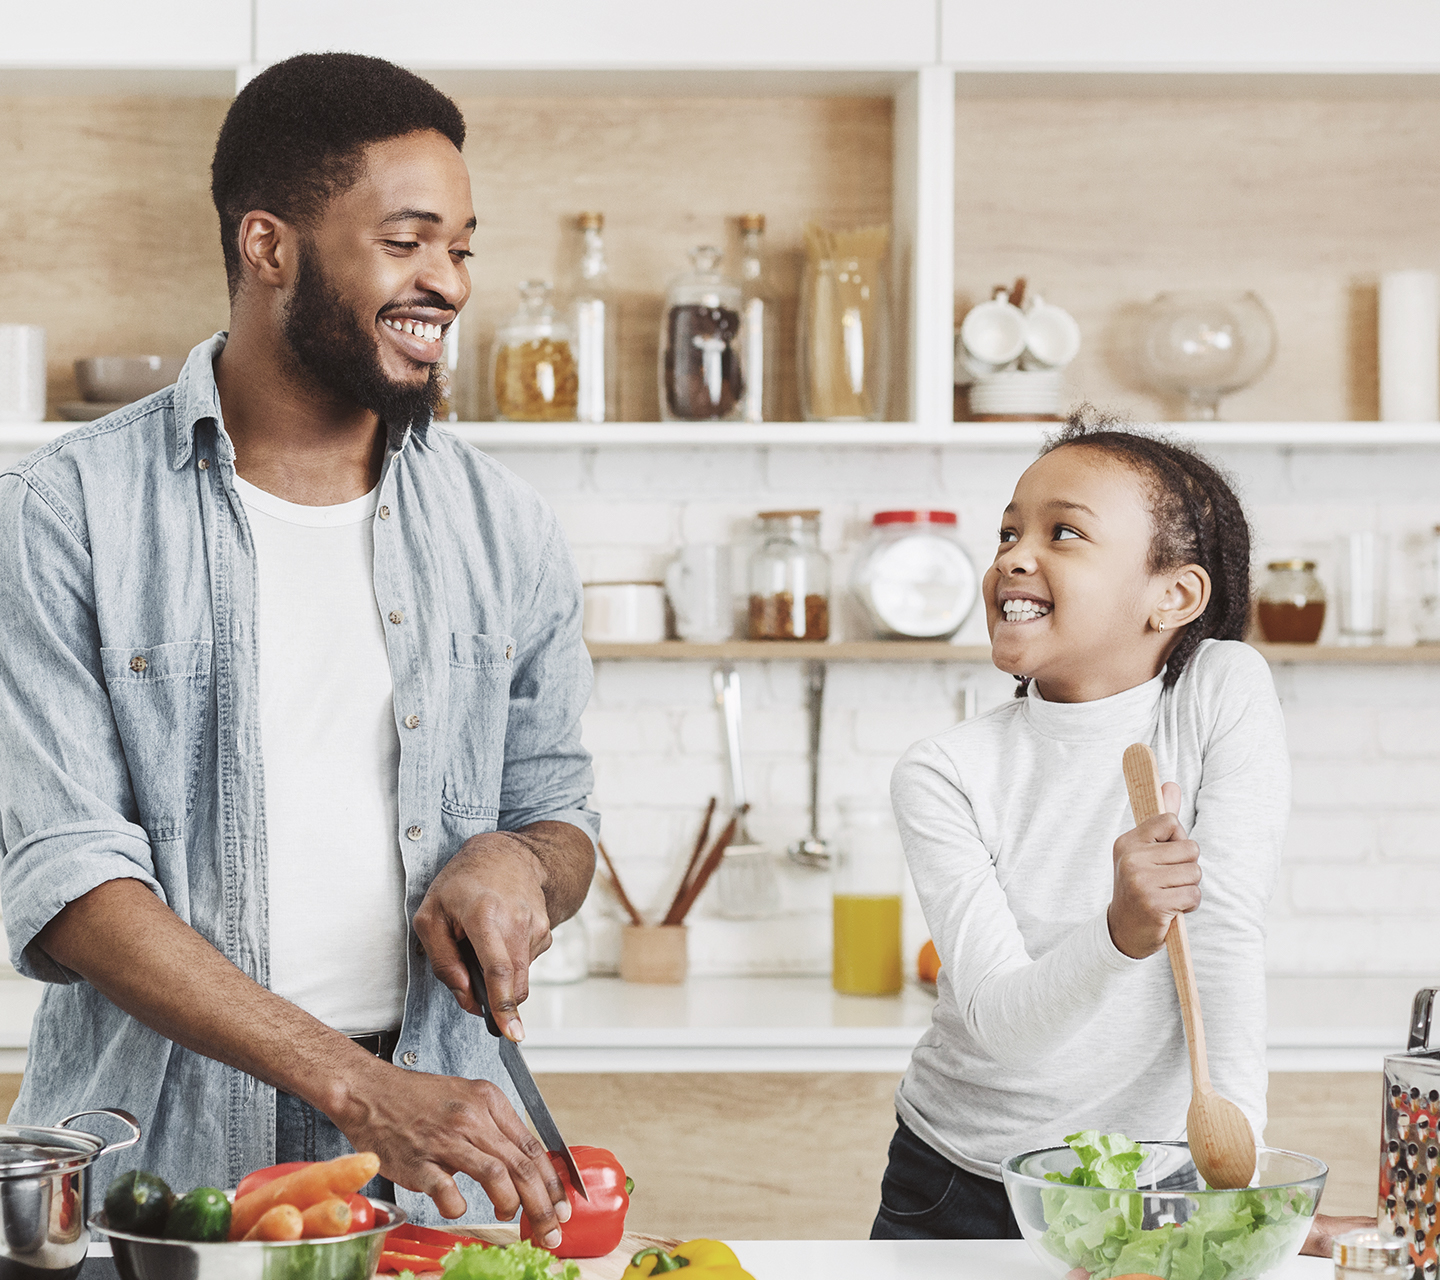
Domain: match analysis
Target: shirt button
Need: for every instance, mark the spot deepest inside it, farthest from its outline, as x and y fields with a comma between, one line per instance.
x=138, y=664
x=415, y=833
x=204, y=464
x=412, y=721
x=396, y=617
x=409, y=1057
x=509, y=650
x=384, y=513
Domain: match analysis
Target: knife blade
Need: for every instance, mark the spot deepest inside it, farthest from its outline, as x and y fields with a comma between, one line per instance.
x=519, y=1071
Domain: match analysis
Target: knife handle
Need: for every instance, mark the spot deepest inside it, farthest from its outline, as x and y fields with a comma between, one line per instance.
x=477, y=986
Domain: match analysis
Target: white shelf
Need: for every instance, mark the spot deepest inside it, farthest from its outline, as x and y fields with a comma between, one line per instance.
x=867, y=435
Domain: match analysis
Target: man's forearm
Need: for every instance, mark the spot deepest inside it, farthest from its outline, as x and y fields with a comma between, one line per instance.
x=567, y=861
x=140, y=955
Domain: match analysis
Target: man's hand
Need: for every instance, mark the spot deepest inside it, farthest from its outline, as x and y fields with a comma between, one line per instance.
x=425, y=1128
x=492, y=892
x=1324, y=1229
x=1157, y=877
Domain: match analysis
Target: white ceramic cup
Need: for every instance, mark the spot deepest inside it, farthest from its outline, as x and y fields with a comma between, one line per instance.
x=22, y=373
x=1052, y=338
x=993, y=334
x=624, y=612
x=698, y=584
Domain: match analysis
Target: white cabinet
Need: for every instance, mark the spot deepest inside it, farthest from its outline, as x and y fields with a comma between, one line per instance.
x=587, y=34
x=1219, y=35
x=104, y=34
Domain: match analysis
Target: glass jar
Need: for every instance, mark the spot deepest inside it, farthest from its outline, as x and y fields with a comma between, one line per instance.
x=701, y=374
x=868, y=875
x=1370, y=1254
x=597, y=355
x=532, y=367
x=759, y=326
x=789, y=579
x=913, y=576
x=1291, y=603
x=1427, y=619
x=844, y=325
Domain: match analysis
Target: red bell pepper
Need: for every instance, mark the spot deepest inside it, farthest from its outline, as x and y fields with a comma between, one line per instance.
x=261, y=1176
x=412, y=1248
x=596, y=1224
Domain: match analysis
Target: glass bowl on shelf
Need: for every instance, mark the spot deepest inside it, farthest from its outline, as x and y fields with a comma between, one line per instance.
x=1173, y=1225
x=1202, y=346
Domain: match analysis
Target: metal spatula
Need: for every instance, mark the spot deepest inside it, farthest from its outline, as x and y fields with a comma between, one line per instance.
x=1222, y=1143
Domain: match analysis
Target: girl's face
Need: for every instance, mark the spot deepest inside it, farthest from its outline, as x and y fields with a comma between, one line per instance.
x=1070, y=600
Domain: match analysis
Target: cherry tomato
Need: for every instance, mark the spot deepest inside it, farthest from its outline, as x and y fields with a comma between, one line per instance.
x=362, y=1213
x=261, y=1176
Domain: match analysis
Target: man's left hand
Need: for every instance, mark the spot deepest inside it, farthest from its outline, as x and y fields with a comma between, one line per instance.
x=1324, y=1230
x=492, y=892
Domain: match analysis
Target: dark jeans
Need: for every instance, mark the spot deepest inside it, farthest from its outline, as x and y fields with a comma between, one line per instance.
x=925, y=1197
x=302, y=1133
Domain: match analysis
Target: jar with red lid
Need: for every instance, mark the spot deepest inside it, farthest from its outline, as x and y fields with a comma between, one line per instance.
x=913, y=576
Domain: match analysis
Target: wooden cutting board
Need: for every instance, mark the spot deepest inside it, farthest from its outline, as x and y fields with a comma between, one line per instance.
x=609, y=1267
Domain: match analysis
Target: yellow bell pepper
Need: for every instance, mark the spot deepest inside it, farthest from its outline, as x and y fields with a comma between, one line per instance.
x=702, y=1259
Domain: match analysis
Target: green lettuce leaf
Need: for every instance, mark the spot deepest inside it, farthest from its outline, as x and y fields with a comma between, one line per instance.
x=518, y=1261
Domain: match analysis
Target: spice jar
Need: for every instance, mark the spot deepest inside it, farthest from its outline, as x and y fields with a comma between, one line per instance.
x=913, y=576
x=532, y=368
x=1291, y=605
x=789, y=579
x=701, y=376
x=1368, y=1253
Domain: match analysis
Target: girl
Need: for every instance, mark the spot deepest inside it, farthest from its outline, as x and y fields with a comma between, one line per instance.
x=1118, y=598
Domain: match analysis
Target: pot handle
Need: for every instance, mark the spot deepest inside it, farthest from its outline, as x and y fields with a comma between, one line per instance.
x=119, y=1115
x=1420, y=1017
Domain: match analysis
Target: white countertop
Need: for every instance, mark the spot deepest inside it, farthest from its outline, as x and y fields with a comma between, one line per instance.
x=906, y=1260
x=800, y=1024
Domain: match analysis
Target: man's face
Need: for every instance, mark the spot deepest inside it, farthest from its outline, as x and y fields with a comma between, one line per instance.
x=382, y=276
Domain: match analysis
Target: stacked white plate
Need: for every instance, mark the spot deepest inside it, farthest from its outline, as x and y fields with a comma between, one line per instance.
x=1017, y=393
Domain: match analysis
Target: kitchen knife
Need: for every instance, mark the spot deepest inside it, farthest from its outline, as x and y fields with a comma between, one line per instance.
x=520, y=1077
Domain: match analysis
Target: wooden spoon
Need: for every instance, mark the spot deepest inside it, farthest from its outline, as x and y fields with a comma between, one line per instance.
x=1222, y=1143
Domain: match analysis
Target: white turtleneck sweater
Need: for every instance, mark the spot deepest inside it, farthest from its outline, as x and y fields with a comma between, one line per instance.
x=1043, y=1027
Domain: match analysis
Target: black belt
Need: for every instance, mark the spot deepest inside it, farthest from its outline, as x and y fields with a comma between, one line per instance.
x=380, y=1043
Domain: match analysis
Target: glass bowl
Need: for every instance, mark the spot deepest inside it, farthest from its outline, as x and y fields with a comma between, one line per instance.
x=1172, y=1226
x=1202, y=346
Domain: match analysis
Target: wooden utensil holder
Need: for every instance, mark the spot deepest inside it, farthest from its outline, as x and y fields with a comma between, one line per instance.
x=653, y=954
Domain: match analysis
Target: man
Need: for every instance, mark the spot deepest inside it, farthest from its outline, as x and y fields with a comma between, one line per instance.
x=290, y=687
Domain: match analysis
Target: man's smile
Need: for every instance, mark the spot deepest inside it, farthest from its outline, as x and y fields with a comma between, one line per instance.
x=418, y=338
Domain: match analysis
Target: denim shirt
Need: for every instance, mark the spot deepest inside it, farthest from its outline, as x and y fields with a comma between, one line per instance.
x=130, y=736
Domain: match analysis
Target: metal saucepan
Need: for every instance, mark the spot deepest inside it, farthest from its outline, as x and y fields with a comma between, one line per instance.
x=45, y=1195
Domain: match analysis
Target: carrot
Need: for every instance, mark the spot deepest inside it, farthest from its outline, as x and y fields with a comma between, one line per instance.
x=328, y=1218
x=281, y=1222
x=304, y=1187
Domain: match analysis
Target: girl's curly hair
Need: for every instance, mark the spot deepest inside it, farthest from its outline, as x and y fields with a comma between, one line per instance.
x=1197, y=519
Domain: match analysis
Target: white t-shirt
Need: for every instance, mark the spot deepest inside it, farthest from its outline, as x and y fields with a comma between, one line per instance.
x=332, y=754
x=1043, y=1027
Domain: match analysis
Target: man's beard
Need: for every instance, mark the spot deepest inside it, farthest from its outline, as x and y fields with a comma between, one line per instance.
x=344, y=356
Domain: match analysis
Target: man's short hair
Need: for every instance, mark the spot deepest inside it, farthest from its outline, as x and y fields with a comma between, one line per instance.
x=292, y=139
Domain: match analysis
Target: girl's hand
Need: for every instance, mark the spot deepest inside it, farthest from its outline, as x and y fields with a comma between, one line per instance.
x=1157, y=877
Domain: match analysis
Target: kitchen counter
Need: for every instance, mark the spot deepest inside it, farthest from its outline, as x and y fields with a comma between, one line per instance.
x=800, y=1024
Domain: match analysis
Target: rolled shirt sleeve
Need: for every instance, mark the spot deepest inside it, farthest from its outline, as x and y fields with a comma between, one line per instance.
x=68, y=818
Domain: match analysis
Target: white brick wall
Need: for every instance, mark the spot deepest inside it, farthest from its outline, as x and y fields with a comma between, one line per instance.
x=1357, y=884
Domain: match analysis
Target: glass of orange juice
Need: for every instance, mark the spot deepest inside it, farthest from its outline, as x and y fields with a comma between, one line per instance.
x=867, y=879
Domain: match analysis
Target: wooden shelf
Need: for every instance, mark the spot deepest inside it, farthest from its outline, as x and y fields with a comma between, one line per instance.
x=942, y=651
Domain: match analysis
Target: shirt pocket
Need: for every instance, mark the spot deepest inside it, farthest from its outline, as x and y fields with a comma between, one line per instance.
x=479, y=710
x=161, y=696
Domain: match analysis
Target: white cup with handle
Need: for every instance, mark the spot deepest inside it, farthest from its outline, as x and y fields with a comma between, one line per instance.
x=1052, y=338
x=992, y=335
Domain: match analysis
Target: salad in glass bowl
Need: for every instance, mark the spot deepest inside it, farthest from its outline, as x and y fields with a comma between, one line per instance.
x=1104, y=1206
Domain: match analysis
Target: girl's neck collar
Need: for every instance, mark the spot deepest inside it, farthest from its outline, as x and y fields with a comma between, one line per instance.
x=1120, y=714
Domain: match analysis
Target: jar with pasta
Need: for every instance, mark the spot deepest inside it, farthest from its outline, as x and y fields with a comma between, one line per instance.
x=844, y=332
x=789, y=579
x=532, y=369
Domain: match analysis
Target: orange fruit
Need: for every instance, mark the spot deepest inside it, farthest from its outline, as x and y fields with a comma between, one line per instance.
x=927, y=966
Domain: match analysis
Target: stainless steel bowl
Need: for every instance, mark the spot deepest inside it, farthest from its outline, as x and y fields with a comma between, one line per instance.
x=352, y=1257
